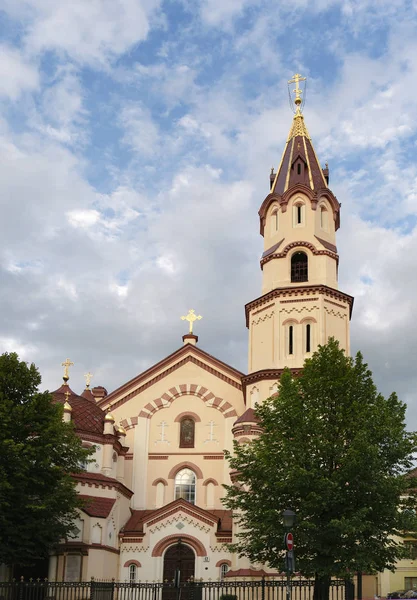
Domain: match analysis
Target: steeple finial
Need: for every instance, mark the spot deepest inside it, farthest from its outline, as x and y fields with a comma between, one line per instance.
x=298, y=100
x=67, y=364
x=88, y=377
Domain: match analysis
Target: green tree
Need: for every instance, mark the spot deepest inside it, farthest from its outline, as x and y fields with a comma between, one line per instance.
x=336, y=452
x=38, y=453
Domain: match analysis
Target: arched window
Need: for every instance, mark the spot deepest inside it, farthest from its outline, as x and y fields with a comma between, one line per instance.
x=298, y=214
x=308, y=337
x=299, y=267
x=274, y=221
x=187, y=430
x=324, y=224
x=224, y=567
x=132, y=573
x=185, y=483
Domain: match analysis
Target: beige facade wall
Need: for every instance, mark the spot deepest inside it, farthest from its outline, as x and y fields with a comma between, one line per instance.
x=154, y=439
x=322, y=268
x=269, y=329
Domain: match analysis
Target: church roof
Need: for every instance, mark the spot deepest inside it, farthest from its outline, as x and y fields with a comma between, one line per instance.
x=97, y=507
x=299, y=162
x=249, y=416
x=86, y=415
x=87, y=394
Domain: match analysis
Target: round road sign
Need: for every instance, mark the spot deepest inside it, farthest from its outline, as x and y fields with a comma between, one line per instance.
x=289, y=541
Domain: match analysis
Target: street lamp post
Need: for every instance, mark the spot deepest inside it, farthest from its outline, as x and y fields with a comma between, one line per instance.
x=288, y=519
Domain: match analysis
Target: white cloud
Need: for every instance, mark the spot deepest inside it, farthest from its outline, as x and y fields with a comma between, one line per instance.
x=93, y=32
x=141, y=132
x=16, y=73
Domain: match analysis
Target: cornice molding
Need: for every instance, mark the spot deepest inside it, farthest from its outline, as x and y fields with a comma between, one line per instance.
x=306, y=290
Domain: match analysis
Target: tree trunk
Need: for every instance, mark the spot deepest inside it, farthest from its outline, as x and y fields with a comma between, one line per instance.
x=321, y=587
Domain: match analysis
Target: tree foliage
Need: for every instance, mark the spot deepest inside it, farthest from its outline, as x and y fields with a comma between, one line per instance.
x=38, y=453
x=336, y=452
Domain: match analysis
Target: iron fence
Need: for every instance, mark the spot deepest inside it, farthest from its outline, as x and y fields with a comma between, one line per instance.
x=228, y=589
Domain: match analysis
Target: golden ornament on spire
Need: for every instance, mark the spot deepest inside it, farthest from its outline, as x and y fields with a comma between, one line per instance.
x=67, y=364
x=191, y=317
x=88, y=377
x=297, y=91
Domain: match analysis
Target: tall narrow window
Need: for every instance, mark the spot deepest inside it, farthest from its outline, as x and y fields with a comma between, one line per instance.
x=291, y=339
x=185, y=485
x=299, y=214
x=187, y=429
x=299, y=267
x=308, y=337
x=132, y=573
x=298, y=169
x=223, y=570
x=276, y=220
x=323, y=218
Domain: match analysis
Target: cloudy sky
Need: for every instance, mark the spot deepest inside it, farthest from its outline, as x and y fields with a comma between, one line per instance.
x=136, y=140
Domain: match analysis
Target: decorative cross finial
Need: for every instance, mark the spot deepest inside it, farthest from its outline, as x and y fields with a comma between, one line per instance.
x=88, y=377
x=67, y=364
x=191, y=317
x=67, y=395
x=298, y=91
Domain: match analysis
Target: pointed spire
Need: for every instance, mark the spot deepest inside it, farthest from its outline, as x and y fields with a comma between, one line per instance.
x=299, y=163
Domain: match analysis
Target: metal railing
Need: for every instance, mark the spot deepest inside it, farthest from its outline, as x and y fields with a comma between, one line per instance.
x=227, y=589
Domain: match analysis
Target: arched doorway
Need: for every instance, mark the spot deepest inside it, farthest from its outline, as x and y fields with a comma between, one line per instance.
x=182, y=557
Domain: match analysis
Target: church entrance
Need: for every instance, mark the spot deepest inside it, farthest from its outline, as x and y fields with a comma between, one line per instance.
x=181, y=557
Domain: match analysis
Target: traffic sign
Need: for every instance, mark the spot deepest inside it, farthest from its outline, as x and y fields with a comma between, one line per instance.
x=289, y=541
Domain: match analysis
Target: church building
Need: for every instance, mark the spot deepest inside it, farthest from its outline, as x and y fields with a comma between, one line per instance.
x=154, y=488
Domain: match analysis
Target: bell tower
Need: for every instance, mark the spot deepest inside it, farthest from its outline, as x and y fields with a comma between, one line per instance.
x=301, y=305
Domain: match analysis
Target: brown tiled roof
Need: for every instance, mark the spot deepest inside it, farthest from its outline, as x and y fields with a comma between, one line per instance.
x=86, y=415
x=299, y=149
x=99, y=479
x=249, y=416
x=87, y=394
x=97, y=507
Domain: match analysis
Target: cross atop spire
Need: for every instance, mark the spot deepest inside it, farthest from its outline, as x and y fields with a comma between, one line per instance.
x=191, y=317
x=88, y=377
x=297, y=91
x=67, y=364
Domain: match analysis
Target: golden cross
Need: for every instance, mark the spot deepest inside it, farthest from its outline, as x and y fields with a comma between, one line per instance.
x=88, y=377
x=191, y=317
x=67, y=395
x=66, y=366
x=296, y=79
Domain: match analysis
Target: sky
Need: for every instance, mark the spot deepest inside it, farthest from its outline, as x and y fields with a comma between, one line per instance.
x=136, y=141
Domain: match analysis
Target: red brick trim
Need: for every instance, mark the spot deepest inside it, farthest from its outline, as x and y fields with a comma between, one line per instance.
x=223, y=561
x=181, y=390
x=132, y=562
x=160, y=480
x=188, y=413
x=170, y=540
x=210, y=480
x=185, y=465
x=296, y=245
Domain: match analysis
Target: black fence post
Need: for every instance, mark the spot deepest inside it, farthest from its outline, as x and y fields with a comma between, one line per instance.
x=92, y=589
x=349, y=589
x=263, y=588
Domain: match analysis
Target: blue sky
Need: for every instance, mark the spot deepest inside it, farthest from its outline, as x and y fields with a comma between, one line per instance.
x=136, y=140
